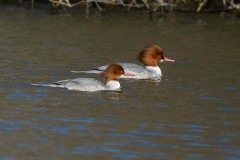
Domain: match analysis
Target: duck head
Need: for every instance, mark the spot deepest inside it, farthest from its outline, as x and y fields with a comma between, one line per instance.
x=112, y=72
x=151, y=55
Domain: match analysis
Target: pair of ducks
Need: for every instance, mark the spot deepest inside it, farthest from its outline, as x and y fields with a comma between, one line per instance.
x=149, y=56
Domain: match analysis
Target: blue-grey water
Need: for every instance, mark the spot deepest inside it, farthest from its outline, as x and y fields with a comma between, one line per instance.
x=193, y=113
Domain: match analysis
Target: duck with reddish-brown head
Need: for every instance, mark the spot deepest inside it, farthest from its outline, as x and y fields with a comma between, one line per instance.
x=149, y=56
x=111, y=74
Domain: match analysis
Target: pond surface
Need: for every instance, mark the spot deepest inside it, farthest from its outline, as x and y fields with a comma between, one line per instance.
x=192, y=113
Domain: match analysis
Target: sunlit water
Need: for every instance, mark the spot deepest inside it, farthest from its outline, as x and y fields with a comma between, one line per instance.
x=193, y=113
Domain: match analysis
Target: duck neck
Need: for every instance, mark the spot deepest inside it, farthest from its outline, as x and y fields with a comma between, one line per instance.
x=155, y=70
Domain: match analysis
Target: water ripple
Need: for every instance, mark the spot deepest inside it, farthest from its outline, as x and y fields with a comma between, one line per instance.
x=6, y=158
x=230, y=88
x=125, y=155
x=181, y=136
x=17, y=122
x=122, y=135
x=83, y=119
x=20, y=96
x=9, y=127
x=184, y=87
x=196, y=144
x=93, y=150
x=66, y=129
x=228, y=109
x=152, y=144
x=208, y=98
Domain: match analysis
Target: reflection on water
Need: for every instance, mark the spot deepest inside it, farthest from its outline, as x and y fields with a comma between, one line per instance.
x=191, y=113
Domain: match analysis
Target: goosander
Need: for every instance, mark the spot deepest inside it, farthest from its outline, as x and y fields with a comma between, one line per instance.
x=149, y=56
x=111, y=73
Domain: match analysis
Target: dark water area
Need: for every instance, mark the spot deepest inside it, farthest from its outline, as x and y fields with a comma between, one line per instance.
x=192, y=113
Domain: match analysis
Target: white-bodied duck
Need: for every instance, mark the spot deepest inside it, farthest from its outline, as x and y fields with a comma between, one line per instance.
x=111, y=73
x=149, y=56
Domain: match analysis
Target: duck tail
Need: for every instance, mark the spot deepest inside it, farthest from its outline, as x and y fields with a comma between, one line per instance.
x=46, y=85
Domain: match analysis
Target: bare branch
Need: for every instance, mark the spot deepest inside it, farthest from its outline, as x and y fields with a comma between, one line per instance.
x=201, y=4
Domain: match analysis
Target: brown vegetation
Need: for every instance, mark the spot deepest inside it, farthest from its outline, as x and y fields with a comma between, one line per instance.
x=151, y=5
x=197, y=5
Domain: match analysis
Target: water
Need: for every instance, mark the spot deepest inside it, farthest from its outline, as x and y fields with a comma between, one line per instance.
x=193, y=113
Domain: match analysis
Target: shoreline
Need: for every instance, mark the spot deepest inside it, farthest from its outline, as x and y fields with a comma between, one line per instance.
x=151, y=7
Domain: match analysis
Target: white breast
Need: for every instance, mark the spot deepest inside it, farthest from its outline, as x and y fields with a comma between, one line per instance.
x=113, y=85
x=154, y=70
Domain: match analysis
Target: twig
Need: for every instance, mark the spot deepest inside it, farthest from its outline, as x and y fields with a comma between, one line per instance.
x=233, y=5
x=64, y=3
x=201, y=4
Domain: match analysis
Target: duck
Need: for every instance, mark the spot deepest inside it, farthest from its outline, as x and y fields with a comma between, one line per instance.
x=111, y=74
x=149, y=56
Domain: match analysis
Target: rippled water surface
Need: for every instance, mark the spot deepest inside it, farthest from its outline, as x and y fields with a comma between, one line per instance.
x=193, y=113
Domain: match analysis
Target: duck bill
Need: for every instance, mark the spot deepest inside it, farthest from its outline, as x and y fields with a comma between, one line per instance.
x=168, y=60
x=128, y=74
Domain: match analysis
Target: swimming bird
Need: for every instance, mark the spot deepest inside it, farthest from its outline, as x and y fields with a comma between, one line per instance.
x=149, y=56
x=111, y=74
